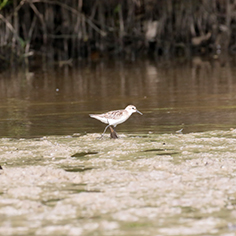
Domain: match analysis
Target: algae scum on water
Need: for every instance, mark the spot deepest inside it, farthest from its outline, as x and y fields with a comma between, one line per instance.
x=181, y=184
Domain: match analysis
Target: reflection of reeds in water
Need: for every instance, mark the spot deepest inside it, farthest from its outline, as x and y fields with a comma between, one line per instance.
x=168, y=93
x=72, y=29
x=103, y=82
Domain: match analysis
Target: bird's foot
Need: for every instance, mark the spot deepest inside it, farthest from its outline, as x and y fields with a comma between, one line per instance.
x=113, y=134
x=100, y=137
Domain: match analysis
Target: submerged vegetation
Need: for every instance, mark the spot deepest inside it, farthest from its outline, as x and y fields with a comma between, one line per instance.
x=61, y=30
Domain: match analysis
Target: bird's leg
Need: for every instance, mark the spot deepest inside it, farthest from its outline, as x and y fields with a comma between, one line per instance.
x=105, y=130
x=113, y=133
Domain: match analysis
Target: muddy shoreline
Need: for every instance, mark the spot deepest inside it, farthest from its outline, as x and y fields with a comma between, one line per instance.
x=169, y=184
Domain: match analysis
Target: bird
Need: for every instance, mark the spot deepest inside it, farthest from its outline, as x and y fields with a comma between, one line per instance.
x=114, y=118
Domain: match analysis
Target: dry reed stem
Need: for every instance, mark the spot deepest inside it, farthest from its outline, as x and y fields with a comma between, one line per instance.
x=11, y=28
x=41, y=18
x=72, y=10
x=27, y=47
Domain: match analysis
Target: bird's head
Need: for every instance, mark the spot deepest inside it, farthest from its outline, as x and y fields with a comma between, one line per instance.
x=131, y=109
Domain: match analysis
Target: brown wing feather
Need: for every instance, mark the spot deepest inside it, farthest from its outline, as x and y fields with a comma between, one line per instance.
x=113, y=114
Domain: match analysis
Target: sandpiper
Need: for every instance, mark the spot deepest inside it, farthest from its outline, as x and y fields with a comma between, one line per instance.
x=114, y=118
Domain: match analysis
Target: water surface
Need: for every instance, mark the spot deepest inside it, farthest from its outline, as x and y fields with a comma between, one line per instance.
x=198, y=96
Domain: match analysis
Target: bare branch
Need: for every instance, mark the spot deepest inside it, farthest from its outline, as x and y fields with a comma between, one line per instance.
x=11, y=28
x=40, y=16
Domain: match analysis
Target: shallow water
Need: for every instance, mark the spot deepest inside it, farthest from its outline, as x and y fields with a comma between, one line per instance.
x=58, y=178
x=197, y=96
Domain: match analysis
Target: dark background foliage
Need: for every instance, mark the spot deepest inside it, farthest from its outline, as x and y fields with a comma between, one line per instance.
x=93, y=28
